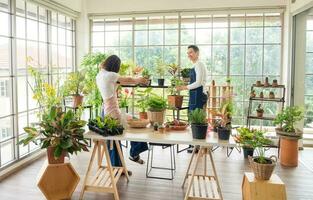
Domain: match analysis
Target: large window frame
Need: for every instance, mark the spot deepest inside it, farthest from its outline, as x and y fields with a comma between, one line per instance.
x=187, y=21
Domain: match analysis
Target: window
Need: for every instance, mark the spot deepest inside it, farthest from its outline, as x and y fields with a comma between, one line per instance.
x=48, y=38
x=308, y=91
x=243, y=47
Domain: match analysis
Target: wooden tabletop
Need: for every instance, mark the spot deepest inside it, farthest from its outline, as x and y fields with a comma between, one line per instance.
x=171, y=137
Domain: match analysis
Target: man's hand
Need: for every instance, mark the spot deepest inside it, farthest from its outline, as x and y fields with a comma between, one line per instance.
x=183, y=87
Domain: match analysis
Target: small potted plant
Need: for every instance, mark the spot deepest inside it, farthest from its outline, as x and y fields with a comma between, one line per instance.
x=261, y=95
x=225, y=113
x=185, y=73
x=262, y=166
x=141, y=103
x=174, y=99
x=160, y=71
x=124, y=100
x=161, y=129
x=252, y=94
x=74, y=86
x=147, y=75
x=156, y=108
x=199, y=123
x=266, y=83
x=289, y=135
x=275, y=83
x=258, y=83
x=271, y=95
x=59, y=132
x=106, y=126
x=259, y=111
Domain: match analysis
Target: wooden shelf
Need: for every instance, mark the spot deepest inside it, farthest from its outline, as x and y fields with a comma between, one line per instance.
x=267, y=99
x=101, y=181
x=262, y=86
x=146, y=86
x=204, y=187
x=263, y=118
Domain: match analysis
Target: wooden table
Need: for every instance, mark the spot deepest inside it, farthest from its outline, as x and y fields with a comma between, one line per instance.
x=200, y=186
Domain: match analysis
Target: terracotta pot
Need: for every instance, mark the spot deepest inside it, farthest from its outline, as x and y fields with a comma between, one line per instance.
x=289, y=151
x=275, y=83
x=156, y=116
x=143, y=115
x=271, y=96
x=77, y=100
x=259, y=114
x=51, y=159
x=258, y=83
x=175, y=101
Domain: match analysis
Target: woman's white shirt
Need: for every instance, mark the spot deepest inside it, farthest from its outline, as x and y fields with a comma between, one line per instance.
x=201, y=76
x=107, y=83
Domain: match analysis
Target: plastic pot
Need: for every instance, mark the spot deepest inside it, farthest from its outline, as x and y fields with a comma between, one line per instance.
x=199, y=131
x=247, y=151
x=223, y=133
x=161, y=82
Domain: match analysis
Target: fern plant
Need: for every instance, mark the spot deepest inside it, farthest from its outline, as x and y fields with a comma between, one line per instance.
x=198, y=116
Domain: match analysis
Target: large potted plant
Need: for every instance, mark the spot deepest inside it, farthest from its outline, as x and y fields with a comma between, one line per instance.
x=262, y=166
x=141, y=103
x=90, y=66
x=160, y=72
x=225, y=114
x=289, y=135
x=185, y=73
x=174, y=99
x=59, y=132
x=199, y=123
x=156, y=107
x=74, y=86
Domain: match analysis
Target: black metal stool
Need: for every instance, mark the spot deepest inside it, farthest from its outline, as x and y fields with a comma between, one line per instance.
x=150, y=161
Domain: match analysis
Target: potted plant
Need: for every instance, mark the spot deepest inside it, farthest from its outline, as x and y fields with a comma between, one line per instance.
x=289, y=135
x=124, y=100
x=259, y=111
x=160, y=71
x=258, y=83
x=106, y=126
x=225, y=113
x=146, y=74
x=199, y=123
x=185, y=73
x=59, y=132
x=156, y=108
x=261, y=95
x=74, y=86
x=90, y=67
x=271, y=95
x=275, y=83
x=174, y=99
x=142, y=102
x=266, y=83
x=125, y=69
x=262, y=166
x=252, y=94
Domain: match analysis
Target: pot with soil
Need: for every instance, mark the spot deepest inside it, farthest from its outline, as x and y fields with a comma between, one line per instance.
x=175, y=101
x=223, y=133
x=52, y=159
x=262, y=167
x=77, y=100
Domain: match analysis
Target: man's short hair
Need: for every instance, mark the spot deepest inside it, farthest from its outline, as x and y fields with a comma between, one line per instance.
x=194, y=47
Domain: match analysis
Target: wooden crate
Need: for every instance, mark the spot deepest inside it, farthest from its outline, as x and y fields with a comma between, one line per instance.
x=57, y=181
x=253, y=189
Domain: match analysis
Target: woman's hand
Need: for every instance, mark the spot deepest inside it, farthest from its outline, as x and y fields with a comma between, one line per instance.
x=141, y=80
x=183, y=87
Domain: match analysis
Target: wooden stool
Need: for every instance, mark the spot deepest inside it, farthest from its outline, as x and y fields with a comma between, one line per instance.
x=253, y=189
x=57, y=181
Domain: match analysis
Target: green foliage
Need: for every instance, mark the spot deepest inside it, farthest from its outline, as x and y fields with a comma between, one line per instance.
x=74, y=84
x=160, y=68
x=225, y=113
x=175, y=81
x=109, y=124
x=58, y=129
x=260, y=109
x=173, y=69
x=146, y=73
x=90, y=66
x=156, y=103
x=142, y=103
x=125, y=69
x=185, y=72
x=198, y=116
x=124, y=98
x=288, y=117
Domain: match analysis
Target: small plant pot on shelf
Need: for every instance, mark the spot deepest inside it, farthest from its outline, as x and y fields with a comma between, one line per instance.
x=275, y=83
x=161, y=82
x=143, y=115
x=156, y=116
x=199, y=131
x=223, y=133
x=263, y=171
x=77, y=100
x=175, y=101
x=258, y=83
x=259, y=114
x=266, y=83
x=52, y=159
x=247, y=151
x=271, y=95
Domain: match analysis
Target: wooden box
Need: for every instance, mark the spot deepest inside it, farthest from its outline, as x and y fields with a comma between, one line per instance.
x=253, y=189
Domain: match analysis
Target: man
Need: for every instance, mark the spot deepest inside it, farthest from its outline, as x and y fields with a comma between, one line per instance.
x=198, y=78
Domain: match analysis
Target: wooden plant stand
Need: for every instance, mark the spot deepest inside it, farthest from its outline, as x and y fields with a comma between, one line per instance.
x=106, y=177
x=57, y=181
x=202, y=186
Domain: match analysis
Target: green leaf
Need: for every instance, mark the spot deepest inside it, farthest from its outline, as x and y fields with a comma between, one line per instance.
x=67, y=143
x=57, y=152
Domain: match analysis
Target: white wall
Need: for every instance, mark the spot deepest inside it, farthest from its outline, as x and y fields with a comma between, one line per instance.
x=109, y=6
x=73, y=4
x=300, y=5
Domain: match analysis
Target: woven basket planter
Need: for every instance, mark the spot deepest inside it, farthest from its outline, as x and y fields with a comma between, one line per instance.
x=263, y=171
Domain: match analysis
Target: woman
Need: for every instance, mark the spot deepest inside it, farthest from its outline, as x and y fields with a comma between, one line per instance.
x=107, y=81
